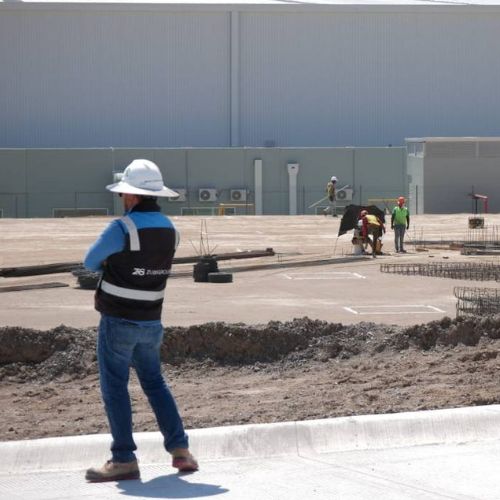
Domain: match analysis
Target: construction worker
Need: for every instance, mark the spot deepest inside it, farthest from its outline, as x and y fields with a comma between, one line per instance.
x=400, y=221
x=331, y=191
x=134, y=254
x=371, y=225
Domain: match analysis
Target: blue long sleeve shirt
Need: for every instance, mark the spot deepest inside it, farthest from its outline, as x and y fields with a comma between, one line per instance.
x=111, y=240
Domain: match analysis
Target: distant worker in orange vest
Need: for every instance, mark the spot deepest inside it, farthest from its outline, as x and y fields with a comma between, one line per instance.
x=371, y=224
x=400, y=221
x=331, y=191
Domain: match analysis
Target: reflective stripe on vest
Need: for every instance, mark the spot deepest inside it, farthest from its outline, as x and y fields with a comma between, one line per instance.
x=130, y=293
x=135, y=245
x=177, y=238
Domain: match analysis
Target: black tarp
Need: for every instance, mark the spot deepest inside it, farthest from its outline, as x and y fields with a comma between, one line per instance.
x=351, y=215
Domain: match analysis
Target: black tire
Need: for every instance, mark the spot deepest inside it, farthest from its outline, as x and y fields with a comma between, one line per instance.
x=89, y=281
x=220, y=277
x=212, y=264
x=200, y=272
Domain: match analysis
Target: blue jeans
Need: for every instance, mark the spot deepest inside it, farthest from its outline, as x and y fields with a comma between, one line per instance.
x=399, y=235
x=122, y=343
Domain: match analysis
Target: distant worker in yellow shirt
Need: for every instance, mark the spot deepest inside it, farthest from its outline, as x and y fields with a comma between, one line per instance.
x=370, y=224
x=400, y=221
x=331, y=191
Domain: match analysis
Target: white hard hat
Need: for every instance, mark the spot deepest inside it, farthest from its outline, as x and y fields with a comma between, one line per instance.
x=144, y=178
x=334, y=179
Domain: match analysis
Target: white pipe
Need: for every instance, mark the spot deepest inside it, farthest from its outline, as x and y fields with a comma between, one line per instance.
x=235, y=77
x=257, y=164
x=293, y=170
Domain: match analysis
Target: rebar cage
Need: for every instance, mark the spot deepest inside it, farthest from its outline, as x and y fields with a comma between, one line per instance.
x=473, y=301
x=453, y=270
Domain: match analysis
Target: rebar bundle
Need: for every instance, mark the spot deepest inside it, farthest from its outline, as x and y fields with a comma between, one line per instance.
x=453, y=270
x=483, y=240
x=486, y=236
x=477, y=301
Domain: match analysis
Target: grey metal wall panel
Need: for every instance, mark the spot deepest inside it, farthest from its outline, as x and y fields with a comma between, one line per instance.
x=113, y=79
x=415, y=166
x=13, y=182
x=445, y=171
x=13, y=171
x=380, y=173
x=131, y=78
x=220, y=169
x=58, y=178
x=121, y=157
x=367, y=79
x=448, y=182
x=12, y=205
x=172, y=163
x=52, y=170
x=76, y=178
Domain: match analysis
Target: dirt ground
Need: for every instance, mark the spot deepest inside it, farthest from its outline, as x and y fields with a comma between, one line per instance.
x=224, y=374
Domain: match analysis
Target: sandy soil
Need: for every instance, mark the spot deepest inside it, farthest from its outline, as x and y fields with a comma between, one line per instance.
x=225, y=374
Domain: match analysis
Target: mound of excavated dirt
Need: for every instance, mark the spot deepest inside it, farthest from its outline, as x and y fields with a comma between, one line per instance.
x=27, y=354
x=225, y=374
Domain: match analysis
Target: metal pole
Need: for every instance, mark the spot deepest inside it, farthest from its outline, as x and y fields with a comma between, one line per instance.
x=186, y=169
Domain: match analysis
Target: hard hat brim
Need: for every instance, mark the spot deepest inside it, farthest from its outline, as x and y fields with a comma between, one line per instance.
x=125, y=188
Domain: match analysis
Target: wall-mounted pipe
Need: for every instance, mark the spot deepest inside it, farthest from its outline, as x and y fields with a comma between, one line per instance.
x=257, y=165
x=293, y=170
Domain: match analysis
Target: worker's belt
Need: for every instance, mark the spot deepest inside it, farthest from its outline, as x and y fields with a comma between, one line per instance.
x=130, y=293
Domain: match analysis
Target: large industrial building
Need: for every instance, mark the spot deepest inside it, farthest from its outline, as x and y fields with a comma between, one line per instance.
x=210, y=89
x=264, y=73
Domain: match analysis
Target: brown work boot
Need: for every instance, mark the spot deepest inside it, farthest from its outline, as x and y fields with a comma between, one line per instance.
x=183, y=460
x=113, y=471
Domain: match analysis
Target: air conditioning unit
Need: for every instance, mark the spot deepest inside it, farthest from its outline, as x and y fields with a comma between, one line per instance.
x=182, y=195
x=344, y=195
x=207, y=194
x=238, y=195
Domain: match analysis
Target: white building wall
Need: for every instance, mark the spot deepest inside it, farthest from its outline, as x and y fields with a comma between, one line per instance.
x=368, y=79
x=89, y=77
x=74, y=78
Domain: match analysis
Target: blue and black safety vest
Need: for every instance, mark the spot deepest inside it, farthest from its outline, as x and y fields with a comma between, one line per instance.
x=133, y=282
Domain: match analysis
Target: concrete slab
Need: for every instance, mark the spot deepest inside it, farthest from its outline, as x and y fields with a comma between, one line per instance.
x=452, y=454
x=314, y=273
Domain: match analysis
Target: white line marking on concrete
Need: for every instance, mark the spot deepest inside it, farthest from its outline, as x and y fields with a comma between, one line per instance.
x=436, y=309
x=351, y=310
x=408, y=309
x=334, y=275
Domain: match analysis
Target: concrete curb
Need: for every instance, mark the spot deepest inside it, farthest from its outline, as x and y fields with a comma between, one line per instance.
x=266, y=440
